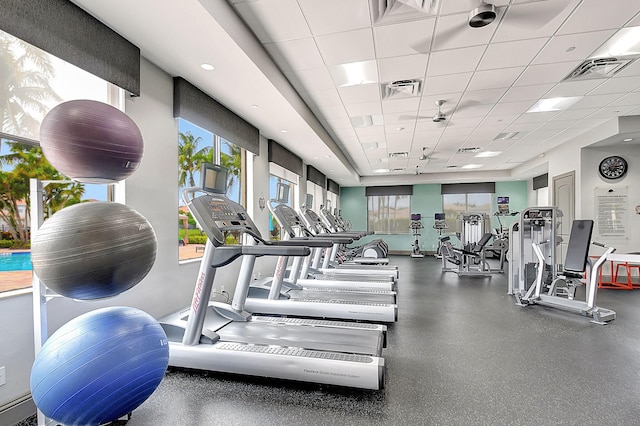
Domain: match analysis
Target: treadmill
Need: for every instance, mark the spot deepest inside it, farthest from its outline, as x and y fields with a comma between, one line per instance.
x=220, y=337
x=301, y=272
x=318, y=227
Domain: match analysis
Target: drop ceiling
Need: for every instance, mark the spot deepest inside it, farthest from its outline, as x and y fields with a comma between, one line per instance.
x=289, y=64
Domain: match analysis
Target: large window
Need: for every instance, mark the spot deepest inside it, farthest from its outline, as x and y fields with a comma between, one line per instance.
x=389, y=214
x=196, y=146
x=455, y=204
x=33, y=82
x=318, y=196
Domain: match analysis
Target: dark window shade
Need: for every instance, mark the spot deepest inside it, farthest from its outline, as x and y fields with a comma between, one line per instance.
x=372, y=191
x=195, y=106
x=541, y=181
x=285, y=158
x=468, y=188
x=316, y=176
x=64, y=30
x=333, y=186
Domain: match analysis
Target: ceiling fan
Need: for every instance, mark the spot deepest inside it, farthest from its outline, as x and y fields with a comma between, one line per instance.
x=528, y=15
x=439, y=116
x=424, y=155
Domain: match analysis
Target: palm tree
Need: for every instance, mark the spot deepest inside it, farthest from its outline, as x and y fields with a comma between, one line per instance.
x=29, y=163
x=190, y=158
x=232, y=161
x=25, y=93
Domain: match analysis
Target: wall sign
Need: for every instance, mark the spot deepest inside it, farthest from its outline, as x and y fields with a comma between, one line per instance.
x=612, y=213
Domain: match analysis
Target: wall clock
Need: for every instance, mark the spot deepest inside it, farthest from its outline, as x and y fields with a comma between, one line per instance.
x=613, y=167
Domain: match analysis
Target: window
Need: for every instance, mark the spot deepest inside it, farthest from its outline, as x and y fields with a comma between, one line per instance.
x=318, y=196
x=196, y=146
x=34, y=82
x=389, y=214
x=455, y=204
x=280, y=175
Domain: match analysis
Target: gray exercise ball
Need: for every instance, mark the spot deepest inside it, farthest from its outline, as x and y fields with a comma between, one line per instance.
x=91, y=141
x=93, y=250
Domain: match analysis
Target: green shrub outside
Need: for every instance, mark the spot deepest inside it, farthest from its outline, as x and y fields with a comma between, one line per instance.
x=6, y=243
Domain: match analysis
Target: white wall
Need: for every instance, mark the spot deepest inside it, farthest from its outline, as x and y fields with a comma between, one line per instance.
x=591, y=179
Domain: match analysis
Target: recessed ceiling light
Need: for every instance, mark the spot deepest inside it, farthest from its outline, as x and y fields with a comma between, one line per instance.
x=623, y=43
x=469, y=149
x=554, y=104
x=254, y=106
x=451, y=167
x=316, y=157
x=570, y=49
x=355, y=73
x=627, y=140
x=207, y=67
x=381, y=171
x=471, y=166
x=486, y=154
x=283, y=130
x=400, y=129
x=330, y=170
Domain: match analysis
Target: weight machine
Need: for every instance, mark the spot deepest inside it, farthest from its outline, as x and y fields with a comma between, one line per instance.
x=561, y=292
x=536, y=225
x=416, y=226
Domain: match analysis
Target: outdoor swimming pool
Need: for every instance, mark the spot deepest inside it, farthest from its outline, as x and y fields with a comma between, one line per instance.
x=15, y=261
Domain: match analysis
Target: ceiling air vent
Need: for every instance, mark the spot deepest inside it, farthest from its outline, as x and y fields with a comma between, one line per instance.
x=599, y=68
x=391, y=11
x=398, y=154
x=468, y=150
x=401, y=89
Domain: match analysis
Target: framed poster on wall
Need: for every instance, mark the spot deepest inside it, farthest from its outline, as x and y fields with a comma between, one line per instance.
x=612, y=213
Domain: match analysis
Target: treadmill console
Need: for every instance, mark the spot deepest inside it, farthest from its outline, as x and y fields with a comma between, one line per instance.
x=288, y=219
x=216, y=214
x=314, y=221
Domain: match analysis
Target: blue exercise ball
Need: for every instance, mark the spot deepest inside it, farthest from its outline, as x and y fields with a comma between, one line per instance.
x=91, y=141
x=93, y=250
x=99, y=366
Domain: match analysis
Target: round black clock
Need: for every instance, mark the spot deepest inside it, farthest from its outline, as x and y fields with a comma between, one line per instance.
x=613, y=167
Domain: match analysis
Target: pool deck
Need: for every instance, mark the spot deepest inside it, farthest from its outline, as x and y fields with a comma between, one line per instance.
x=13, y=280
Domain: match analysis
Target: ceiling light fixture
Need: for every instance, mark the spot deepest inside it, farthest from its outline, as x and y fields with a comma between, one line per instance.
x=355, y=73
x=627, y=140
x=487, y=154
x=283, y=130
x=471, y=166
x=554, y=104
x=623, y=43
x=381, y=171
x=207, y=67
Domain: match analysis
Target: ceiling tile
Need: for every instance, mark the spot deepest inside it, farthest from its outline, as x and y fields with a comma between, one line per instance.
x=339, y=123
x=595, y=101
x=558, y=124
x=402, y=67
x=365, y=108
x=632, y=99
x=482, y=97
x=577, y=114
x=333, y=16
x=311, y=79
x=327, y=97
x=373, y=131
x=295, y=54
x=511, y=54
x=494, y=79
x=360, y=93
x=573, y=88
x=593, y=15
x=466, y=109
x=536, y=117
x=428, y=103
x=547, y=73
x=330, y=112
x=572, y=47
x=450, y=83
x=406, y=38
x=464, y=122
x=347, y=47
x=617, y=85
x=454, y=61
x=400, y=105
x=533, y=20
x=631, y=70
x=526, y=93
x=500, y=117
x=275, y=20
x=511, y=107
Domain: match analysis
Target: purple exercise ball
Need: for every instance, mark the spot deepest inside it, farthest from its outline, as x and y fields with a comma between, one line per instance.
x=91, y=141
